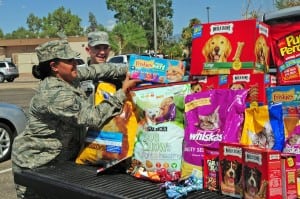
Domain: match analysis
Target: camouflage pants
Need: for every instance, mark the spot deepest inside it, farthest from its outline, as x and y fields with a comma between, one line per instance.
x=25, y=192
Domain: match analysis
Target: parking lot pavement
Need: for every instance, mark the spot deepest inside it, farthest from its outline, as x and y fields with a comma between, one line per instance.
x=7, y=190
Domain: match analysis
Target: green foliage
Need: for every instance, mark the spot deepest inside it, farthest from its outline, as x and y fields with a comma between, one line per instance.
x=280, y=4
x=128, y=37
x=187, y=33
x=141, y=13
x=1, y=33
x=20, y=33
x=94, y=24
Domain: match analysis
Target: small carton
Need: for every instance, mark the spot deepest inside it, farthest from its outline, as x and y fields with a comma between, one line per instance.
x=204, y=82
x=262, y=174
x=230, y=169
x=211, y=168
x=225, y=47
x=289, y=176
x=157, y=70
x=255, y=83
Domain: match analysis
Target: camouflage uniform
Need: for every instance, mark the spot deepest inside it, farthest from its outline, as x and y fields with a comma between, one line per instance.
x=59, y=115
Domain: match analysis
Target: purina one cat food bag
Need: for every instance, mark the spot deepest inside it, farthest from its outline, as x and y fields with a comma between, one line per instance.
x=211, y=117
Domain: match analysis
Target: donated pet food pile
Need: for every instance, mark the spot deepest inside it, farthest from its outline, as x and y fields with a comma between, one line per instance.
x=229, y=127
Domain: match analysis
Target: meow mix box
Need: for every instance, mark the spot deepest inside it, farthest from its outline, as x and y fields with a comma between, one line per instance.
x=154, y=69
x=289, y=96
x=262, y=174
x=225, y=47
x=289, y=176
x=285, y=48
x=230, y=169
x=211, y=168
x=256, y=83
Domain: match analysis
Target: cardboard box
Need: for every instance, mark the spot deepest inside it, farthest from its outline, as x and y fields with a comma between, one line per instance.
x=230, y=169
x=256, y=83
x=262, y=175
x=225, y=47
x=211, y=168
x=289, y=176
x=154, y=69
x=204, y=82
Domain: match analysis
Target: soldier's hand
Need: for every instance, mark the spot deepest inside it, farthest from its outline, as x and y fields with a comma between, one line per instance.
x=129, y=83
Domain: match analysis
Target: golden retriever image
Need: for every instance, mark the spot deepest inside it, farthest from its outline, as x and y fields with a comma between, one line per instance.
x=217, y=49
x=261, y=50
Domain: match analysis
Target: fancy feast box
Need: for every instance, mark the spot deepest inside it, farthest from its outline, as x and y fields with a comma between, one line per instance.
x=226, y=47
x=158, y=70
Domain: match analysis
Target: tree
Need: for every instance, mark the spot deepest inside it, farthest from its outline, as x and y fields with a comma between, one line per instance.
x=34, y=23
x=20, y=33
x=280, y=4
x=61, y=21
x=128, y=37
x=141, y=13
x=187, y=34
x=94, y=24
x=1, y=33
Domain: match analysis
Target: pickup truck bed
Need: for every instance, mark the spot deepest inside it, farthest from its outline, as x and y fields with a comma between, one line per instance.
x=68, y=180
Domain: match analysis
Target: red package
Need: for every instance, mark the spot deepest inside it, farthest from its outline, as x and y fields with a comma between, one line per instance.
x=285, y=48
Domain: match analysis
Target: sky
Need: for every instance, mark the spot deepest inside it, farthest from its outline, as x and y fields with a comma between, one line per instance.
x=13, y=13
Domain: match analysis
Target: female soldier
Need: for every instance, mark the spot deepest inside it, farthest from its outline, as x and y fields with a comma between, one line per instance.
x=59, y=112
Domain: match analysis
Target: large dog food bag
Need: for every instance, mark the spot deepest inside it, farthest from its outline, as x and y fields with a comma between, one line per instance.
x=115, y=140
x=211, y=117
x=160, y=114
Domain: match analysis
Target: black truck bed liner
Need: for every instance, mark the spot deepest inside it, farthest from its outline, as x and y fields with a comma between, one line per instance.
x=68, y=180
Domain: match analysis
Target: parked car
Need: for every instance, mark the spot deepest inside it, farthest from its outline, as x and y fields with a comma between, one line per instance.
x=12, y=122
x=8, y=71
x=119, y=59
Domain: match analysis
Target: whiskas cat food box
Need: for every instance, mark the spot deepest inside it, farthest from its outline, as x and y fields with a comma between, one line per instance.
x=289, y=176
x=289, y=96
x=226, y=47
x=154, y=69
x=256, y=83
x=262, y=174
x=285, y=48
x=230, y=169
x=211, y=168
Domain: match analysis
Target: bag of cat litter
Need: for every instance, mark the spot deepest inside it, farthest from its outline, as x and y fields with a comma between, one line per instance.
x=115, y=140
x=211, y=117
x=263, y=127
x=160, y=114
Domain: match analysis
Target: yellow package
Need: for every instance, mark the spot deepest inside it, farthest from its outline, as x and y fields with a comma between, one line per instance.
x=116, y=140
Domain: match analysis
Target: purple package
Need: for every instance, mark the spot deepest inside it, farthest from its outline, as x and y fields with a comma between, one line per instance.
x=292, y=145
x=211, y=117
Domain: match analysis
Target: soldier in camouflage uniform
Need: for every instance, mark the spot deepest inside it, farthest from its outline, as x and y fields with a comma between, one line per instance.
x=59, y=112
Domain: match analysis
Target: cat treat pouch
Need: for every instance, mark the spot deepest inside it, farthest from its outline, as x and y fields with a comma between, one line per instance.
x=211, y=117
x=160, y=114
x=115, y=140
x=263, y=127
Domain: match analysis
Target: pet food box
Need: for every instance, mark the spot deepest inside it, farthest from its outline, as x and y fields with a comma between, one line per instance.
x=289, y=176
x=262, y=174
x=285, y=50
x=211, y=168
x=289, y=96
x=226, y=47
x=154, y=69
x=230, y=169
x=204, y=82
